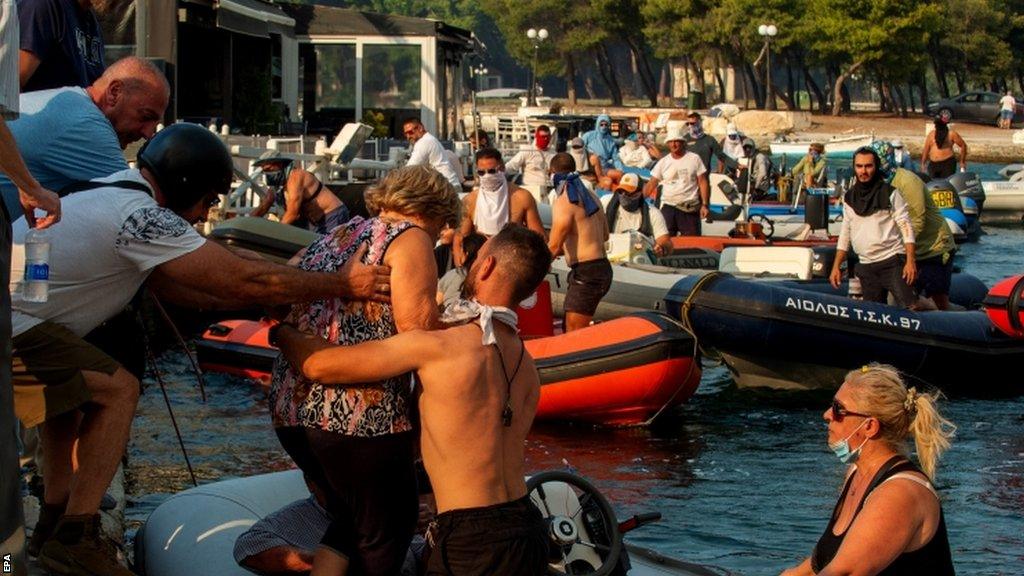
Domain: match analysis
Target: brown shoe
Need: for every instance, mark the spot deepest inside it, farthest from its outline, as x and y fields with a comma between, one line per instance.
x=49, y=514
x=78, y=549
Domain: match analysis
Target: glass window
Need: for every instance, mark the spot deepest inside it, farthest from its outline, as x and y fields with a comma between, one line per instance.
x=391, y=76
x=335, y=76
x=275, y=66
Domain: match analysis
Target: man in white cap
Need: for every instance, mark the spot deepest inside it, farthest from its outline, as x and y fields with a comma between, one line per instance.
x=732, y=144
x=684, y=187
x=901, y=155
x=627, y=210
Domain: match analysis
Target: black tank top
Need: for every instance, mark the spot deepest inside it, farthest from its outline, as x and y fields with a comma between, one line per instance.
x=933, y=558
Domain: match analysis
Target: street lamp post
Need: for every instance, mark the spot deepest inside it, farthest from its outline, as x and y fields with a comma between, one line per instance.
x=476, y=72
x=537, y=36
x=768, y=31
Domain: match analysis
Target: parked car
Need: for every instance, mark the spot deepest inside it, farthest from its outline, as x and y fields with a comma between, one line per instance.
x=973, y=107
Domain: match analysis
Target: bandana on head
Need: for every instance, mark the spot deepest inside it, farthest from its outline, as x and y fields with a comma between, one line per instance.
x=886, y=159
x=459, y=311
x=576, y=191
x=697, y=129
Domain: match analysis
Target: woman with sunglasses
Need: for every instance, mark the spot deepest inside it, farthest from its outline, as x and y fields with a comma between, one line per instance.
x=888, y=519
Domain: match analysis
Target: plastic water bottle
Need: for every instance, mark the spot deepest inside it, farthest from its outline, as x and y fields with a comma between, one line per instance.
x=37, y=266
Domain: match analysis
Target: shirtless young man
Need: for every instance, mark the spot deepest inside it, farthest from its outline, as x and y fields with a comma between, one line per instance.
x=580, y=228
x=307, y=202
x=478, y=400
x=938, y=151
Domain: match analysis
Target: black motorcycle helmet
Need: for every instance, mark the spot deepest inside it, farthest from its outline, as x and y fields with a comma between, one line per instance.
x=189, y=163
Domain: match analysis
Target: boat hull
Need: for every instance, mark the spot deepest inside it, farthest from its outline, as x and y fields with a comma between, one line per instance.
x=618, y=373
x=777, y=335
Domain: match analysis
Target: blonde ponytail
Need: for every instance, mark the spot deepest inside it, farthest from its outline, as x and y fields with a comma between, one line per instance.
x=932, y=432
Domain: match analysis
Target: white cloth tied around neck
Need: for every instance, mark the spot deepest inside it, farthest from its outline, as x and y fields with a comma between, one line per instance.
x=459, y=310
x=491, y=211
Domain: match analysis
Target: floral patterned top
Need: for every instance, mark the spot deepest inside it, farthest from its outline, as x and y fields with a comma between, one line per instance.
x=376, y=409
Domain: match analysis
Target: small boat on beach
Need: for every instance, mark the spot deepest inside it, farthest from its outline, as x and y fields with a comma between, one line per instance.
x=782, y=335
x=623, y=372
x=194, y=531
x=837, y=146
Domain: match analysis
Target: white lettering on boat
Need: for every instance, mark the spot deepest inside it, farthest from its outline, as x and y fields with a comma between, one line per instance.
x=895, y=320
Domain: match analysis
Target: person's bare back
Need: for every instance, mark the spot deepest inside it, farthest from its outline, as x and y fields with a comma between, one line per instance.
x=581, y=237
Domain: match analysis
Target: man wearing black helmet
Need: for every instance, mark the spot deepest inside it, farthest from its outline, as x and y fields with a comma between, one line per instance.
x=126, y=229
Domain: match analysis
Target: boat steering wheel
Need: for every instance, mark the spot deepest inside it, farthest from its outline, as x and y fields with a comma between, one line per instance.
x=767, y=226
x=584, y=534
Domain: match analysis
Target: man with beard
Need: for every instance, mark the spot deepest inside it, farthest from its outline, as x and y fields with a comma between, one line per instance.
x=877, y=224
x=493, y=203
x=428, y=151
x=627, y=210
x=932, y=239
x=705, y=145
x=61, y=44
x=533, y=164
x=684, y=187
x=580, y=229
x=479, y=395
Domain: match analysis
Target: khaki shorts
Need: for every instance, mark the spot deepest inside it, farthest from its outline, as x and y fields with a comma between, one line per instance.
x=47, y=372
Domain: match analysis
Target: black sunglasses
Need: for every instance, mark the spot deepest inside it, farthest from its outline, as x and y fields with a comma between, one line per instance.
x=488, y=171
x=839, y=411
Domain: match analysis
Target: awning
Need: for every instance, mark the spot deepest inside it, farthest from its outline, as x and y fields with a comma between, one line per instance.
x=251, y=17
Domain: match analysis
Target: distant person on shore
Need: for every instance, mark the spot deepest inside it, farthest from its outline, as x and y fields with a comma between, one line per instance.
x=1007, y=108
x=705, y=145
x=876, y=223
x=61, y=44
x=133, y=228
x=479, y=390
x=938, y=156
x=901, y=156
x=428, y=151
x=306, y=201
x=494, y=202
x=533, y=164
x=95, y=124
x=579, y=228
x=627, y=209
x=685, y=192
x=812, y=169
x=732, y=144
x=888, y=519
x=933, y=242
x=603, y=153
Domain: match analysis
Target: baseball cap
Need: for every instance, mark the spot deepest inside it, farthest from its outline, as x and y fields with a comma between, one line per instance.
x=628, y=183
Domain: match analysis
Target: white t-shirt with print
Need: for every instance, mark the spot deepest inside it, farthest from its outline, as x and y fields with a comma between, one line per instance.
x=627, y=221
x=678, y=177
x=104, y=247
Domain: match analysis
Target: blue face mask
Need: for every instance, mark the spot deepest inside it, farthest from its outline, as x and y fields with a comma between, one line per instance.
x=815, y=155
x=842, y=448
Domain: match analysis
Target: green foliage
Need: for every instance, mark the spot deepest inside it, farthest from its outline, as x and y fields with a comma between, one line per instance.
x=378, y=121
x=254, y=110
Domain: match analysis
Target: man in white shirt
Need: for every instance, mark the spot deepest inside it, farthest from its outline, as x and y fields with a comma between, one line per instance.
x=427, y=150
x=533, y=164
x=627, y=210
x=876, y=223
x=1007, y=107
x=684, y=187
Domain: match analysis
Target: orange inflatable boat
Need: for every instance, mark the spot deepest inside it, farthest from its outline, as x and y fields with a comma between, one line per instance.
x=618, y=373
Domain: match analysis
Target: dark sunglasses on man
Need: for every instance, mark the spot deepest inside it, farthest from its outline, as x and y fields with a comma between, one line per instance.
x=488, y=171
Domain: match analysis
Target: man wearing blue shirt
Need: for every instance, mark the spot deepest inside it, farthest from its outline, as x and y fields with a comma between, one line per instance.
x=61, y=44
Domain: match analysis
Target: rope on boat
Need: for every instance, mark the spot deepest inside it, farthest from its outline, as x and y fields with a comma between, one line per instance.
x=184, y=346
x=170, y=411
x=688, y=305
x=695, y=361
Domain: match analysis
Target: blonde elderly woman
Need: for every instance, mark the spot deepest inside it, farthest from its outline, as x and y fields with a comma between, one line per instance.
x=357, y=443
x=888, y=519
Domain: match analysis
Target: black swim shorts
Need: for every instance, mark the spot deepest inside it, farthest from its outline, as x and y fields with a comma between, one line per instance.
x=509, y=539
x=934, y=275
x=942, y=168
x=879, y=278
x=588, y=282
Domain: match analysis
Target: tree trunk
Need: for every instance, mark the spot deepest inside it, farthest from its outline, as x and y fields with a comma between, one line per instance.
x=901, y=101
x=840, y=97
x=665, y=82
x=910, y=96
x=961, y=81
x=570, y=78
x=719, y=79
x=686, y=74
x=588, y=84
x=607, y=70
x=643, y=65
x=813, y=88
x=748, y=71
x=791, y=87
x=940, y=74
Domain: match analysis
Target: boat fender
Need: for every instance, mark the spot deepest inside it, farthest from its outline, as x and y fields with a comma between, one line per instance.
x=1003, y=306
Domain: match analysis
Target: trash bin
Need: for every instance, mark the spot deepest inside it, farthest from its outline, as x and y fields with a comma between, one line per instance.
x=695, y=100
x=816, y=208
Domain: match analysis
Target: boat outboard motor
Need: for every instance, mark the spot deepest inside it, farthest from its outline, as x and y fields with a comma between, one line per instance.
x=968, y=185
x=1004, y=308
x=944, y=194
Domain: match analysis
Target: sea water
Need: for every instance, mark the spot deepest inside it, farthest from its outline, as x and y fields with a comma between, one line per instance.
x=744, y=480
